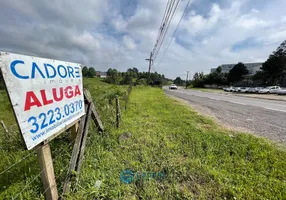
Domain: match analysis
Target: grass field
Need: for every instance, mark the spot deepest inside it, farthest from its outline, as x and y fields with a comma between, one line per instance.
x=201, y=159
x=15, y=180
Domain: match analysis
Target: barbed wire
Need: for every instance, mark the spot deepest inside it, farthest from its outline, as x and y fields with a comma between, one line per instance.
x=68, y=174
x=14, y=164
x=27, y=185
x=34, y=178
x=32, y=152
x=11, y=166
x=57, y=178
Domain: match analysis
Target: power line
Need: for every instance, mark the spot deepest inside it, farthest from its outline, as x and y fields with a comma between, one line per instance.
x=167, y=24
x=165, y=17
x=168, y=21
x=160, y=29
x=170, y=10
x=174, y=33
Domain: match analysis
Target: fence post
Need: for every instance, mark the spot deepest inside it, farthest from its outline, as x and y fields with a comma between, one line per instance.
x=94, y=113
x=117, y=112
x=74, y=129
x=74, y=156
x=84, y=137
x=80, y=140
x=126, y=100
x=47, y=172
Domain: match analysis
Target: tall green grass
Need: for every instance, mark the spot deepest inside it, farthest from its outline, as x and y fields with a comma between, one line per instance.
x=201, y=159
x=12, y=149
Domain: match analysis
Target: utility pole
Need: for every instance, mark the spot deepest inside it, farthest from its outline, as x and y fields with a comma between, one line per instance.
x=150, y=63
x=187, y=78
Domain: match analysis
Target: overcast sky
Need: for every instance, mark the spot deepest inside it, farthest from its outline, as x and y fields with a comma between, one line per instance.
x=121, y=33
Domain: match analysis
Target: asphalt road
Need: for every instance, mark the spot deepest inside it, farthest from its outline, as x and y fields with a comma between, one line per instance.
x=265, y=118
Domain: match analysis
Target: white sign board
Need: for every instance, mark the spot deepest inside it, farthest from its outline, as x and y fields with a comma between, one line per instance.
x=46, y=95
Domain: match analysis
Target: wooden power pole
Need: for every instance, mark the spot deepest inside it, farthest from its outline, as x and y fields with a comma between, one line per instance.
x=150, y=63
x=187, y=78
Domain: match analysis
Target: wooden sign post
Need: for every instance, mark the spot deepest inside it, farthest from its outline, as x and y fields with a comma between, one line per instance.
x=47, y=172
x=47, y=99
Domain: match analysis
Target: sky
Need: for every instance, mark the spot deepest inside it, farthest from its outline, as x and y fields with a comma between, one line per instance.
x=121, y=33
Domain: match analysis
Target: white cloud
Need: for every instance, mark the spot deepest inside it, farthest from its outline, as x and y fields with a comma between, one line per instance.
x=250, y=22
x=119, y=24
x=129, y=42
x=86, y=40
x=100, y=34
x=195, y=24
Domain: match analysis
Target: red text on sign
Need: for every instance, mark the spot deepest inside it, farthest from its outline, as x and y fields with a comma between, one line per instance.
x=58, y=94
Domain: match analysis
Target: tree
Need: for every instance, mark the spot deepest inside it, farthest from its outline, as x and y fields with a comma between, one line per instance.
x=85, y=71
x=274, y=67
x=113, y=76
x=141, y=81
x=127, y=80
x=178, y=81
x=218, y=70
x=135, y=70
x=198, y=79
x=259, y=78
x=236, y=73
x=91, y=72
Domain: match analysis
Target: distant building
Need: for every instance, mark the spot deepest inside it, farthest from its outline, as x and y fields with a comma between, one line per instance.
x=101, y=74
x=251, y=67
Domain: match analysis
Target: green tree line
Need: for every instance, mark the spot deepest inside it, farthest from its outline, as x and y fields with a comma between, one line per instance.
x=133, y=76
x=272, y=72
x=88, y=72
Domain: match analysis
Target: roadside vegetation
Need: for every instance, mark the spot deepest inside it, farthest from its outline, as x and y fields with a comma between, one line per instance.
x=12, y=149
x=131, y=76
x=201, y=159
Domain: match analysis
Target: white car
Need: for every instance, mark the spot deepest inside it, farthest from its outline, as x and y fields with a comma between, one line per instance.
x=252, y=90
x=244, y=89
x=229, y=89
x=282, y=91
x=264, y=91
x=236, y=89
x=173, y=87
x=274, y=90
x=270, y=89
x=256, y=90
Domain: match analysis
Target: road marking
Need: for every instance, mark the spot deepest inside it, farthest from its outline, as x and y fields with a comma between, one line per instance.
x=274, y=109
x=237, y=102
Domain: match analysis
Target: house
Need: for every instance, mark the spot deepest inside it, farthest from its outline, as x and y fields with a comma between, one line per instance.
x=101, y=74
